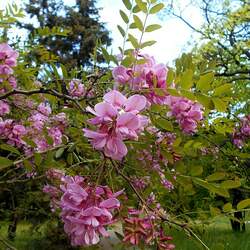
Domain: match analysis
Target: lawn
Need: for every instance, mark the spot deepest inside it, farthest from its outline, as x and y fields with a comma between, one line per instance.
x=217, y=236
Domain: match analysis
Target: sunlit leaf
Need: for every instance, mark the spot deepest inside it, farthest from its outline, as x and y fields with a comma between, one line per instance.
x=152, y=27
x=155, y=9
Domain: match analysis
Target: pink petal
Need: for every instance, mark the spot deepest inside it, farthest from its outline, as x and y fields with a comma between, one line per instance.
x=128, y=120
x=115, y=98
x=104, y=109
x=135, y=102
x=110, y=203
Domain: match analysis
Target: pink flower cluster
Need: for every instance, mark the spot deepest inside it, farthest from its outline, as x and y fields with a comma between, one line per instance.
x=8, y=60
x=140, y=182
x=154, y=157
x=148, y=75
x=12, y=132
x=242, y=133
x=40, y=121
x=76, y=88
x=139, y=228
x=4, y=108
x=117, y=119
x=86, y=210
x=187, y=113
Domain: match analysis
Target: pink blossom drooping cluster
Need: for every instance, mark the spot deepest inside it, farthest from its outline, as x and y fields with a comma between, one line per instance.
x=86, y=210
x=187, y=113
x=12, y=132
x=139, y=228
x=8, y=60
x=148, y=75
x=117, y=119
x=76, y=88
x=41, y=122
x=155, y=159
x=242, y=133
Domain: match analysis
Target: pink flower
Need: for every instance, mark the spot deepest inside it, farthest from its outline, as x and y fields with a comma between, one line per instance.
x=44, y=108
x=76, y=88
x=117, y=119
x=4, y=108
x=56, y=174
x=121, y=74
x=5, y=70
x=8, y=55
x=148, y=75
x=242, y=132
x=86, y=210
x=186, y=112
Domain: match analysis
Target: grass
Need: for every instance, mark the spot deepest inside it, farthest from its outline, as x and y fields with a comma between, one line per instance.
x=217, y=236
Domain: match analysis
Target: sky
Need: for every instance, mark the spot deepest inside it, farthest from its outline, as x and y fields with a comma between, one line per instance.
x=171, y=38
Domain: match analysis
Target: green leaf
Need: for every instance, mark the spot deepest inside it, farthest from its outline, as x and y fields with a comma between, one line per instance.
x=132, y=26
x=64, y=71
x=28, y=165
x=136, y=9
x=216, y=176
x=70, y=158
x=141, y=5
x=152, y=27
x=165, y=124
x=138, y=22
x=105, y=55
x=124, y=16
x=5, y=162
x=190, y=95
x=243, y=204
x=122, y=31
x=196, y=170
x=223, y=89
x=204, y=83
x=230, y=184
x=186, y=80
x=219, y=104
x=9, y=148
x=205, y=101
x=173, y=92
x=167, y=155
x=127, y=61
x=133, y=41
x=127, y=4
x=155, y=9
x=38, y=159
x=59, y=153
x=170, y=77
x=211, y=187
x=227, y=207
x=148, y=43
x=214, y=211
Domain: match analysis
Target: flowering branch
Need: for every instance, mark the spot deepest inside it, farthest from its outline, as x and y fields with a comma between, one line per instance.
x=43, y=91
x=158, y=213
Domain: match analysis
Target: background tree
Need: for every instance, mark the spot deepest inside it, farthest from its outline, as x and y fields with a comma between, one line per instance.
x=224, y=39
x=82, y=21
